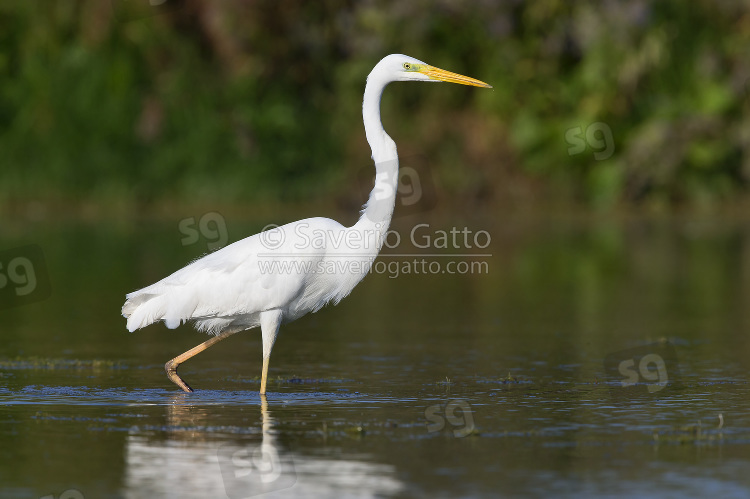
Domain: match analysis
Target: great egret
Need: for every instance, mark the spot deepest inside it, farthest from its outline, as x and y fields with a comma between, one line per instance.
x=280, y=275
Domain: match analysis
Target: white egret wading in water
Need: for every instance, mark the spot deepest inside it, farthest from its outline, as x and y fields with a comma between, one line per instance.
x=280, y=275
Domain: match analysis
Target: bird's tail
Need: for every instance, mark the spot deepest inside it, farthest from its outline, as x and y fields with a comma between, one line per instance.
x=142, y=309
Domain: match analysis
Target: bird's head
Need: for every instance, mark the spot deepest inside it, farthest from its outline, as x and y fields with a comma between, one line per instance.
x=399, y=67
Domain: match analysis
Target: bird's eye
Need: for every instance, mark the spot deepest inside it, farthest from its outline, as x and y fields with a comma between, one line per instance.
x=407, y=66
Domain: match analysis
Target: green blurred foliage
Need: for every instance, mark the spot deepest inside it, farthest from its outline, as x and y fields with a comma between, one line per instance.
x=237, y=100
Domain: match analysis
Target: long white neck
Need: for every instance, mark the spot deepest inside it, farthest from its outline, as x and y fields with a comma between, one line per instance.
x=378, y=211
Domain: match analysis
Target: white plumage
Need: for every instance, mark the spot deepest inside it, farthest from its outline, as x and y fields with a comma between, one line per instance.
x=280, y=275
x=232, y=286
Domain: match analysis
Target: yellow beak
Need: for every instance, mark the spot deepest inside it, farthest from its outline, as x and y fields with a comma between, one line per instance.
x=443, y=75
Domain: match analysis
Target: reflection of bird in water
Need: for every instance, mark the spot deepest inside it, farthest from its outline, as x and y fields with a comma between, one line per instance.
x=280, y=275
x=200, y=460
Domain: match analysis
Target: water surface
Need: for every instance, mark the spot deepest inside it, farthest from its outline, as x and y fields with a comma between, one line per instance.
x=504, y=383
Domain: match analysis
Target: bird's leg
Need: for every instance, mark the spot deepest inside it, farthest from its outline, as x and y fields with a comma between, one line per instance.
x=270, y=321
x=264, y=377
x=171, y=366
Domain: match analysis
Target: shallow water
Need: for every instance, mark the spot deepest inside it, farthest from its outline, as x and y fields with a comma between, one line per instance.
x=507, y=383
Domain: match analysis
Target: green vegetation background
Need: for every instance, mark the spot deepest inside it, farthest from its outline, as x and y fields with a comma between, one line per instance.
x=239, y=101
